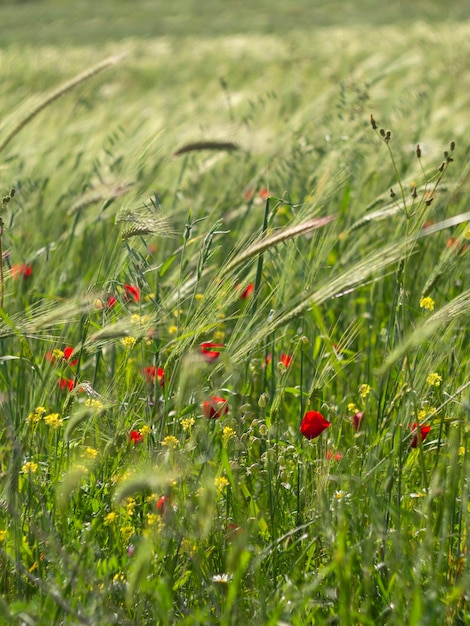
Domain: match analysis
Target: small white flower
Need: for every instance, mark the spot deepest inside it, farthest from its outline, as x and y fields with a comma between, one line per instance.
x=223, y=579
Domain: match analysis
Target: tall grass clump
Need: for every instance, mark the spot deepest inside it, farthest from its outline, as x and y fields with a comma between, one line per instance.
x=234, y=371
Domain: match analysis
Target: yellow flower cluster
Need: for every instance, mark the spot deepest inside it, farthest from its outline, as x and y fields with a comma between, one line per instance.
x=90, y=453
x=30, y=467
x=170, y=442
x=128, y=342
x=228, y=433
x=353, y=408
x=145, y=430
x=187, y=423
x=127, y=532
x=93, y=403
x=3, y=534
x=221, y=482
x=139, y=319
x=364, y=391
x=130, y=505
x=53, y=420
x=152, y=519
x=434, y=380
x=427, y=303
x=110, y=517
x=37, y=415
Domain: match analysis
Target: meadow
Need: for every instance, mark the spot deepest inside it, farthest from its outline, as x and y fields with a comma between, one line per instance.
x=234, y=313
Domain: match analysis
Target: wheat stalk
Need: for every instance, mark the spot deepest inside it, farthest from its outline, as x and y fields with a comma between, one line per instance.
x=57, y=93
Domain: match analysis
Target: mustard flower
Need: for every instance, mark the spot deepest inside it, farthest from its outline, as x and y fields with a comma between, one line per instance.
x=427, y=303
x=30, y=467
x=170, y=442
x=434, y=379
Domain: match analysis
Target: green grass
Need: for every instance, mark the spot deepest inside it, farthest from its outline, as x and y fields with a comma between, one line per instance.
x=259, y=525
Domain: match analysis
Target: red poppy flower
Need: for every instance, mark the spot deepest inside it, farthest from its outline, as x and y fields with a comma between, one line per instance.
x=151, y=373
x=456, y=244
x=21, y=270
x=337, y=456
x=135, y=437
x=210, y=351
x=313, y=424
x=247, y=292
x=131, y=291
x=50, y=357
x=356, y=420
x=68, y=351
x=285, y=359
x=215, y=407
x=66, y=383
x=264, y=193
x=111, y=302
x=423, y=433
x=162, y=504
x=233, y=531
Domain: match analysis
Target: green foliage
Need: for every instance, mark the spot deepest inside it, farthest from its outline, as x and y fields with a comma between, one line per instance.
x=234, y=192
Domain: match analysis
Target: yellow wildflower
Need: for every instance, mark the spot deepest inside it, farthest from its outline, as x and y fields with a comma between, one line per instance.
x=94, y=403
x=30, y=467
x=187, y=423
x=128, y=342
x=110, y=517
x=422, y=414
x=364, y=391
x=3, y=534
x=90, y=453
x=119, y=578
x=228, y=433
x=53, y=420
x=427, y=303
x=130, y=505
x=434, y=380
x=170, y=442
x=173, y=329
x=221, y=482
x=353, y=408
x=127, y=532
x=58, y=354
x=466, y=233
x=145, y=430
x=152, y=519
x=36, y=415
x=199, y=296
